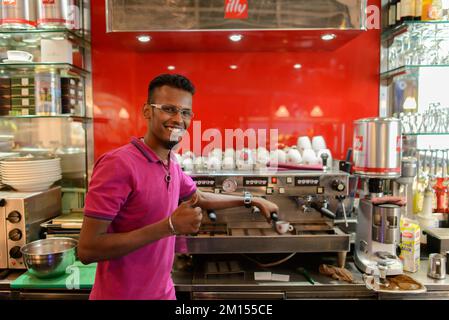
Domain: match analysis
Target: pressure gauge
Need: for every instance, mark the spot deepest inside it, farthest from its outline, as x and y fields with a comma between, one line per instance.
x=229, y=185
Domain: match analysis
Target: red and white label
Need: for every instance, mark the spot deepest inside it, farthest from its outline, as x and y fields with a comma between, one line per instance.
x=48, y=1
x=358, y=143
x=236, y=9
x=9, y=2
x=398, y=144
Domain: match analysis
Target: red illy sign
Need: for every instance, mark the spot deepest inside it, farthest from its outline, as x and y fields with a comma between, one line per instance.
x=236, y=9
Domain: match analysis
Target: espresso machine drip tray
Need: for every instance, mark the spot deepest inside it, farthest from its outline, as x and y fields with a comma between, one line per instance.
x=260, y=237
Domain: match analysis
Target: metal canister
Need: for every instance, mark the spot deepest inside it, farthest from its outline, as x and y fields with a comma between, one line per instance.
x=437, y=266
x=377, y=147
x=55, y=14
x=18, y=14
x=385, y=228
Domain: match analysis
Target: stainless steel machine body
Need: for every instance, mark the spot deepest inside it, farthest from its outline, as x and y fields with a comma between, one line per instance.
x=306, y=199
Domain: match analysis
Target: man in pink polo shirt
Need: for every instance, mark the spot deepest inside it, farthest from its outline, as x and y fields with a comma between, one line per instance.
x=132, y=211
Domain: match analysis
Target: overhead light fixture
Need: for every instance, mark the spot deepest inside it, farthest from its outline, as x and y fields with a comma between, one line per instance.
x=297, y=66
x=233, y=67
x=144, y=38
x=235, y=37
x=328, y=36
x=171, y=68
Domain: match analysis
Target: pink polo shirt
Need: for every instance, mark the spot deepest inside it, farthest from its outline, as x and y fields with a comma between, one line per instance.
x=128, y=188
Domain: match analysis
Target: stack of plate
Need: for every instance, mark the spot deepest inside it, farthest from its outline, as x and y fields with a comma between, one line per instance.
x=4, y=155
x=30, y=174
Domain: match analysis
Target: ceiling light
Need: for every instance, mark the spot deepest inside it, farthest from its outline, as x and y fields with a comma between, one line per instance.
x=235, y=37
x=144, y=38
x=171, y=68
x=297, y=66
x=328, y=36
x=233, y=67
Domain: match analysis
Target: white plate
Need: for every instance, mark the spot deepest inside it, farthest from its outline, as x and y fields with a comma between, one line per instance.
x=11, y=164
x=43, y=167
x=43, y=178
x=31, y=175
x=31, y=180
x=32, y=187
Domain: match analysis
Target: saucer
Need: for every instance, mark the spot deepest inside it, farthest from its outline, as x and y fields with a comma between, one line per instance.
x=16, y=61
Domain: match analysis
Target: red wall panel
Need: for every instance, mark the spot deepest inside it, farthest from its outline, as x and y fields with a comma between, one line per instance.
x=342, y=84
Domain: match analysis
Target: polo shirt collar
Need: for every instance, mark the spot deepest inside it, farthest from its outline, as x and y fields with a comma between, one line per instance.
x=147, y=151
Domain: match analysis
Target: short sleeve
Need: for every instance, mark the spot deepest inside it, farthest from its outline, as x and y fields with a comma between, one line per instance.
x=110, y=187
x=187, y=186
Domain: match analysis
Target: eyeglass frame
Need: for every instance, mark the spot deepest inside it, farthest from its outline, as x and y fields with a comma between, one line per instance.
x=178, y=109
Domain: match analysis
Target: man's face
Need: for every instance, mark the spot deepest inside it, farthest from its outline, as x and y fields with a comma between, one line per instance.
x=163, y=126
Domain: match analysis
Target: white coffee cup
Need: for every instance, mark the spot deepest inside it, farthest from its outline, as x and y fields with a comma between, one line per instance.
x=213, y=164
x=278, y=156
x=318, y=143
x=304, y=143
x=293, y=156
x=217, y=153
x=187, y=164
x=199, y=164
x=16, y=55
x=309, y=157
x=228, y=163
x=283, y=227
x=229, y=153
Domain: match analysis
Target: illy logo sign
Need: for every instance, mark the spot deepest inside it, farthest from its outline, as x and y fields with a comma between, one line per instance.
x=236, y=9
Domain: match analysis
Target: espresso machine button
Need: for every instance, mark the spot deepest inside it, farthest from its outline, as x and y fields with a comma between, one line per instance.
x=338, y=185
x=14, y=217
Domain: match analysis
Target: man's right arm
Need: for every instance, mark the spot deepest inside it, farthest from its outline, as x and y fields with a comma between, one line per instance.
x=95, y=244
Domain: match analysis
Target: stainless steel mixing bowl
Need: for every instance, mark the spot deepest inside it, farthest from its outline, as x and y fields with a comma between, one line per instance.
x=49, y=258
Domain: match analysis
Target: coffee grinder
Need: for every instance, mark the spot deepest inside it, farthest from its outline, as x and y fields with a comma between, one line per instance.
x=377, y=161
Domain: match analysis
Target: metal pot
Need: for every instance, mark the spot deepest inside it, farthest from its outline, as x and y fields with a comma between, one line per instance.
x=49, y=258
x=377, y=147
x=58, y=14
x=18, y=14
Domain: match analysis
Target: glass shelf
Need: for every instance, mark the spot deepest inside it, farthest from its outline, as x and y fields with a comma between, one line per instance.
x=403, y=27
x=407, y=69
x=59, y=116
x=30, y=37
x=66, y=69
x=426, y=134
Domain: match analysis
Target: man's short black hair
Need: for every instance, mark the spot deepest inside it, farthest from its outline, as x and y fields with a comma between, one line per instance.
x=172, y=80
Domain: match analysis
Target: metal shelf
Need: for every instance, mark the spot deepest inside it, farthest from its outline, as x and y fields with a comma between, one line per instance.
x=426, y=134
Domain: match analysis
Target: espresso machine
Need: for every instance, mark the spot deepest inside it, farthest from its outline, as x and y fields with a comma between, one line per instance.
x=306, y=199
x=377, y=161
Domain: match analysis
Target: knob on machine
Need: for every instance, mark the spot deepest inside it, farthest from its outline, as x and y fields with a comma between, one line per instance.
x=14, y=217
x=15, y=252
x=338, y=185
x=15, y=234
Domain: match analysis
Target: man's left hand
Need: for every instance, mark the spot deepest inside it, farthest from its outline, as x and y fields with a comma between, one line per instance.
x=266, y=207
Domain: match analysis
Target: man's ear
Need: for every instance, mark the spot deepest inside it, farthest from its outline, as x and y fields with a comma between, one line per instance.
x=147, y=111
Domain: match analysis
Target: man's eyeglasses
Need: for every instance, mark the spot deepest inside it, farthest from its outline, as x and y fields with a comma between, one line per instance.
x=174, y=110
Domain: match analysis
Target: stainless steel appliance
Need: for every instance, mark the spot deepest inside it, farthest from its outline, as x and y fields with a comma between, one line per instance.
x=437, y=266
x=20, y=217
x=377, y=160
x=306, y=199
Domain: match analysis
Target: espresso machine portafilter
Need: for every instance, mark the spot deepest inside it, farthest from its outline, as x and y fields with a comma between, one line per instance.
x=377, y=161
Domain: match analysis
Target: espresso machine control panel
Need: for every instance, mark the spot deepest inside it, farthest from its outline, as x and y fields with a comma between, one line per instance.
x=291, y=183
